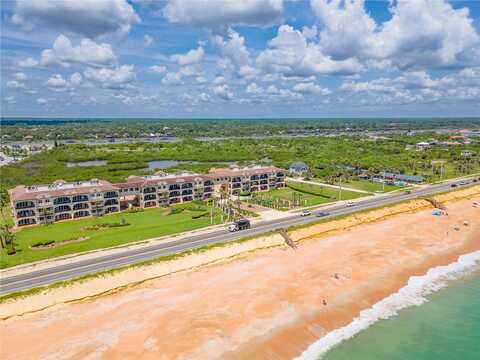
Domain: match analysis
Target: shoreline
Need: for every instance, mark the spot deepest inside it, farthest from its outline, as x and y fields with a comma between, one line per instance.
x=263, y=303
x=336, y=318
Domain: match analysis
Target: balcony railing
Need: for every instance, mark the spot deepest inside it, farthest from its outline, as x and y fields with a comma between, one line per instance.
x=24, y=205
x=80, y=198
x=62, y=200
x=110, y=195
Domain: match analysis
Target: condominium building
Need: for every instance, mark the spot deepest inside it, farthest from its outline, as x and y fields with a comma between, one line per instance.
x=61, y=200
x=45, y=204
x=250, y=179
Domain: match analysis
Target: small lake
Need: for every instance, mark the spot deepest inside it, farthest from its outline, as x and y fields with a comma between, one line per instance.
x=87, y=163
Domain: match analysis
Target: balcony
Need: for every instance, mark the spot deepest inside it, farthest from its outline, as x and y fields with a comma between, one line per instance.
x=187, y=198
x=111, y=202
x=149, y=190
x=208, y=189
x=80, y=206
x=148, y=197
x=24, y=205
x=208, y=183
x=62, y=208
x=280, y=174
x=62, y=200
x=187, y=186
x=174, y=187
x=79, y=198
x=236, y=186
x=174, y=193
x=82, y=213
x=62, y=217
x=236, y=179
x=110, y=195
x=25, y=213
x=187, y=192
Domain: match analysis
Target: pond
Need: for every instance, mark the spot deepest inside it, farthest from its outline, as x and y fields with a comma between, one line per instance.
x=87, y=163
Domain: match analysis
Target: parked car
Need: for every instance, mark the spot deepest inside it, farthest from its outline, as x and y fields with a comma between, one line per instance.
x=322, y=214
x=306, y=213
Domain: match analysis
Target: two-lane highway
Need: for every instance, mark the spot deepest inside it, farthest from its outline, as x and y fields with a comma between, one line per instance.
x=81, y=267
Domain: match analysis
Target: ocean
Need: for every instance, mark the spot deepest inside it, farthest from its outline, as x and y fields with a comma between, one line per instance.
x=444, y=326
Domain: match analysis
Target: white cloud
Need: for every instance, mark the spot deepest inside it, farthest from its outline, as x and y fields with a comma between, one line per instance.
x=56, y=82
x=310, y=87
x=233, y=48
x=191, y=57
x=14, y=84
x=88, y=17
x=223, y=92
x=42, y=101
x=218, y=13
x=290, y=53
x=421, y=34
x=147, y=40
x=88, y=52
x=272, y=92
x=76, y=79
x=28, y=63
x=20, y=76
x=158, y=69
x=114, y=78
x=172, y=78
x=219, y=80
x=201, y=79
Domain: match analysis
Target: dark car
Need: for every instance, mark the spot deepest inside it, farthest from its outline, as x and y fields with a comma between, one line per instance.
x=322, y=214
x=453, y=185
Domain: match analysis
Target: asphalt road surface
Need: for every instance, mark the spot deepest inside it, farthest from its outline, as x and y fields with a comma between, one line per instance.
x=75, y=269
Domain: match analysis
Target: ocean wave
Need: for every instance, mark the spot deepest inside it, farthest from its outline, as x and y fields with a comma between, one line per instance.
x=412, y=294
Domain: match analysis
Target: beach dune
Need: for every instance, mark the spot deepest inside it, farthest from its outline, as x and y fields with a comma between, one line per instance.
x=270, y=304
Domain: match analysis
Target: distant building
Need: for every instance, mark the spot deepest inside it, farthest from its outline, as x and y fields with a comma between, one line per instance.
x=423, y=145
x=298, y=168
x=467, y=154
x=416, y=179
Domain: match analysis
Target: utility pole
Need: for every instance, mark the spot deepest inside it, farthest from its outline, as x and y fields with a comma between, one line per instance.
x=383, y=183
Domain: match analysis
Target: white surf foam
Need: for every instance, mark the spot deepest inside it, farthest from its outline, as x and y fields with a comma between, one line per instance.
x=414, y=293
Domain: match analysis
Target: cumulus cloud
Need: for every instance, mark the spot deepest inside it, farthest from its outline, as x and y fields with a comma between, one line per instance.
x=158, y=69
x=191, y=57
x=14, y=84
x=223, y=92
x=87, y=52
x=219, y=13
x=290, y=53
x=28, y=63
x=420, y=34
x=58, y=82
x=87, y=17
x=272, y=92
x=113, y=78
x=310, y=87
x=42, y=101
x=233, y=47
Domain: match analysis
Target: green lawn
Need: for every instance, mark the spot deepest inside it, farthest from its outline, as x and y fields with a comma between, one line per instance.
x=366, y=185
x=143, y=225
x=310, y=195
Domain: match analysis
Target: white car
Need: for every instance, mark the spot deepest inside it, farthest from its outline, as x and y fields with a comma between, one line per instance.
x=349, y=204
x=306, y=213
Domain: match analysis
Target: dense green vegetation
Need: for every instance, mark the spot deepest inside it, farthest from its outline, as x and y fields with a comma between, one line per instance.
x=111, y=230
x=366, y=185
x=328, y=158
x=43, y=129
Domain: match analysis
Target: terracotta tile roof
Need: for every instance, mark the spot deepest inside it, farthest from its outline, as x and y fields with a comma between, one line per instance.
x=58, y=188
x=245, y=171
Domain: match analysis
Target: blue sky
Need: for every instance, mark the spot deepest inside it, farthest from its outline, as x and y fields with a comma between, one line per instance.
x=251, y=58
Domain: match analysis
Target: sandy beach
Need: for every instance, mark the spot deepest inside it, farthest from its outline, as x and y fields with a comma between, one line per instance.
x=267, y=304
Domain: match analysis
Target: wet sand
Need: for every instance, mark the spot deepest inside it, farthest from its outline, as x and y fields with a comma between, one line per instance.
x=267, y=305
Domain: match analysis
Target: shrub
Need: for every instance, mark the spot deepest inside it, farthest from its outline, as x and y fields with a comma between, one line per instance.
x=197, y=216
x=175, y=210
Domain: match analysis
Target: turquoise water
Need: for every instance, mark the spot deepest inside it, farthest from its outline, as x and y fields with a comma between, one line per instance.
x=447, y=327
